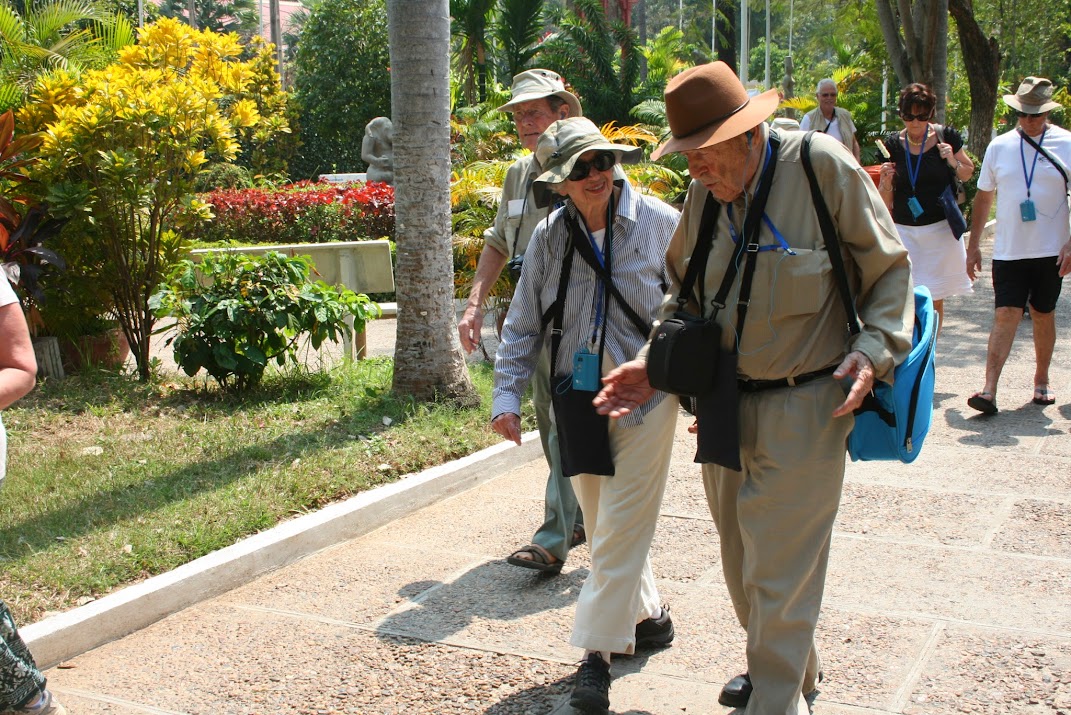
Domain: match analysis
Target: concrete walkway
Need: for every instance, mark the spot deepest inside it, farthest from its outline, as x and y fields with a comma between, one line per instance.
x=949, y=590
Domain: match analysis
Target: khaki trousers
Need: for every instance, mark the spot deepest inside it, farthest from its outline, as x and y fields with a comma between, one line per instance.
x=775, y=520
x=620, y=514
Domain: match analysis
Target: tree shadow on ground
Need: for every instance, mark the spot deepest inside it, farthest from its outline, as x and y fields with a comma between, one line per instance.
x=485, y=597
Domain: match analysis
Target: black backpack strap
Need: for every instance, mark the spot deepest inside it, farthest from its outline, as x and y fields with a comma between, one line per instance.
x=1052, y=160
x=700, y=252
x=553, y=314
x=583, y=247
x=750, y=239
x=829, y=235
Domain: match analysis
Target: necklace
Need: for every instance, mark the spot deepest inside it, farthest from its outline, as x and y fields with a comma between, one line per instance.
x=911, y=141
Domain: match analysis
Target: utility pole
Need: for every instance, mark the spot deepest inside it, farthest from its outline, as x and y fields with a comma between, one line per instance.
x=193, y=14
x=277, y=36
x=744, y=50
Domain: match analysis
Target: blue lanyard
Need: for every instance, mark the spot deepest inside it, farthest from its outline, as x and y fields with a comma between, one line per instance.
x=781, y=242
x=913, y=174
x=1029, y=178
x=600, y=288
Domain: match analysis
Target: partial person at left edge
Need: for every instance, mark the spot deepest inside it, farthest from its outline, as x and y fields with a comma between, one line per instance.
x=22, y=684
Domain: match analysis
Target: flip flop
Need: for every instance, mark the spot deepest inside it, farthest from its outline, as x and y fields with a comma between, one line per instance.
x=983, y=402
x=541, y=559
x=1043, y=395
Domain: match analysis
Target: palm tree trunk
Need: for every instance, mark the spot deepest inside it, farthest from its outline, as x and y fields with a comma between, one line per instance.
x=428, y=363
x=981, y=57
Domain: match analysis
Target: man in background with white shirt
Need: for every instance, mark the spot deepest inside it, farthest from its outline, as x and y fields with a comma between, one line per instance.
x=830, y=119
x=1028, y=166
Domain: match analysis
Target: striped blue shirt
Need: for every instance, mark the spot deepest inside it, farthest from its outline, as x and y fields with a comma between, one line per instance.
x=641, y=231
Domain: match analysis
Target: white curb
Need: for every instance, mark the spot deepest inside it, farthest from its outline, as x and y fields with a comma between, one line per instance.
x=74, y=632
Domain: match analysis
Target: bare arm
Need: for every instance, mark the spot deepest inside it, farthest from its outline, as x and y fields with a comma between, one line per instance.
x=18, y=366
x=855, y=147
x=983, y=202
x=488, y=269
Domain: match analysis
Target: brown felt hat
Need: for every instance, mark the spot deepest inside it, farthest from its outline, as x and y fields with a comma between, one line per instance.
x=707, y=104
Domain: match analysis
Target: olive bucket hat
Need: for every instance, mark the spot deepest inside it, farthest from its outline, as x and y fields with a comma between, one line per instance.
x=562, y=144
x=1034, y=96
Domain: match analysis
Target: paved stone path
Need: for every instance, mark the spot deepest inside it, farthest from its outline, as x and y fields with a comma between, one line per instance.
x=949, y=590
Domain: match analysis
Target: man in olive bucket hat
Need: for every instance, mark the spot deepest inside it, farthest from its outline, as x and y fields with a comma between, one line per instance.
x=539, y=98
x=1026, y=172
x=773, y=464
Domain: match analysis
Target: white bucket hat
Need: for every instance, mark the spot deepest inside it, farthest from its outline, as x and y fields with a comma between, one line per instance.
x=540, y=84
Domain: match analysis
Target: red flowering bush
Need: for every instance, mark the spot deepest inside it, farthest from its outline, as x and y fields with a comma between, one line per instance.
x=304, y=212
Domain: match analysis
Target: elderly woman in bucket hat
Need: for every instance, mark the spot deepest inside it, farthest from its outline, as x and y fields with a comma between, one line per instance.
x=593, y=279
x=773, y=439
x=1025, y=171
x=538, y=98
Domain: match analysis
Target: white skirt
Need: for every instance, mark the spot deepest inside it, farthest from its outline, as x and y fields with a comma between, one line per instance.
x=938, y=261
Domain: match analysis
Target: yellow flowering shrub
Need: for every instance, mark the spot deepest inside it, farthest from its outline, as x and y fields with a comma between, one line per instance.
x=122, y=146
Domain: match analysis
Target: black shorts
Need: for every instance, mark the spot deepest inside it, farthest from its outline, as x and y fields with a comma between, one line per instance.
x=1035, y=279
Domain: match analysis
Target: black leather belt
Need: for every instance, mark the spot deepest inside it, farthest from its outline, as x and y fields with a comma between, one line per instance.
x=760, y=385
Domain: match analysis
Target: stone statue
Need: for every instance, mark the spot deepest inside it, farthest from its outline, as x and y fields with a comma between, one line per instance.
x=377, y=150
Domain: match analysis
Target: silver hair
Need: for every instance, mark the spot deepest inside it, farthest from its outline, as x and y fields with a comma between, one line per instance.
x=827, y=80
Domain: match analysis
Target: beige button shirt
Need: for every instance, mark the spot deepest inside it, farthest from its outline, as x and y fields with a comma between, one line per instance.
x=796, y=322
x=517, y=214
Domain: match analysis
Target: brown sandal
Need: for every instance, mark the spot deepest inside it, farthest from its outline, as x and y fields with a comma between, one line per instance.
x=540, y=559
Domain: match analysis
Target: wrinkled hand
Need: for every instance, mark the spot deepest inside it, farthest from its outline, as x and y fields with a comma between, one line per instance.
x=1064, y=259
x=625, y=388
x=974, y=262
x=470, y=328
x=858, y=366
x=508, y=425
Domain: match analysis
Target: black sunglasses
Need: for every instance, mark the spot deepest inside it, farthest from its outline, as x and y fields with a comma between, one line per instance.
x=602, y=161
x=1025, y=114
x=908, y=117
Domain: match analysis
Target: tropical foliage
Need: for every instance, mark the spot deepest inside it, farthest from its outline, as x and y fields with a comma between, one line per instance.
x=237, y=313
x=71, y=35
x=240, y=16
x=300, y=213
x=123, y=145
x=600, y=58
x=341, y=82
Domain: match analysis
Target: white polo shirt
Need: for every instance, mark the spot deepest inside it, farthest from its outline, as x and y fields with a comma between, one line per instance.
x=1003, y=171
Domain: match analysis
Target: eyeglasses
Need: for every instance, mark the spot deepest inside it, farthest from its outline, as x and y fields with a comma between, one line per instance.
x=1025, y=114
x=827, y=95
x=909, y=117
x=601, y=162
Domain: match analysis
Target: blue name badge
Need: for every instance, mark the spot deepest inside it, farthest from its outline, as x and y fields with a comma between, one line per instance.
x=585, y=371
x=1027, y=211
x=915, y=207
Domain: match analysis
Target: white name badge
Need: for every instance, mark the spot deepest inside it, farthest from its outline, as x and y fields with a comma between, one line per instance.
x=515, y=208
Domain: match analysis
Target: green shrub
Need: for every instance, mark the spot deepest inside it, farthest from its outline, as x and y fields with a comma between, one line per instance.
x=236, y=313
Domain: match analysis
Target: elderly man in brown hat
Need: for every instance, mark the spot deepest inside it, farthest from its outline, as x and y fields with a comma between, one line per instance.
x=773, y=441
x=1027, y=170
x=539, y=99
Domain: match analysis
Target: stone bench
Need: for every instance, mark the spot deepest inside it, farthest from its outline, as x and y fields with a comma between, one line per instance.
x=361, y=266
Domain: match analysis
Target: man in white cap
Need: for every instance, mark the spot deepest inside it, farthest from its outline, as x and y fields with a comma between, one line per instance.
x=539, y=99
x=1032, y=243
x=830, y=119
x=796, y=374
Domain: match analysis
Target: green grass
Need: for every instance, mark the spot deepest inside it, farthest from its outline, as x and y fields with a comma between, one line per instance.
x=184, y=469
